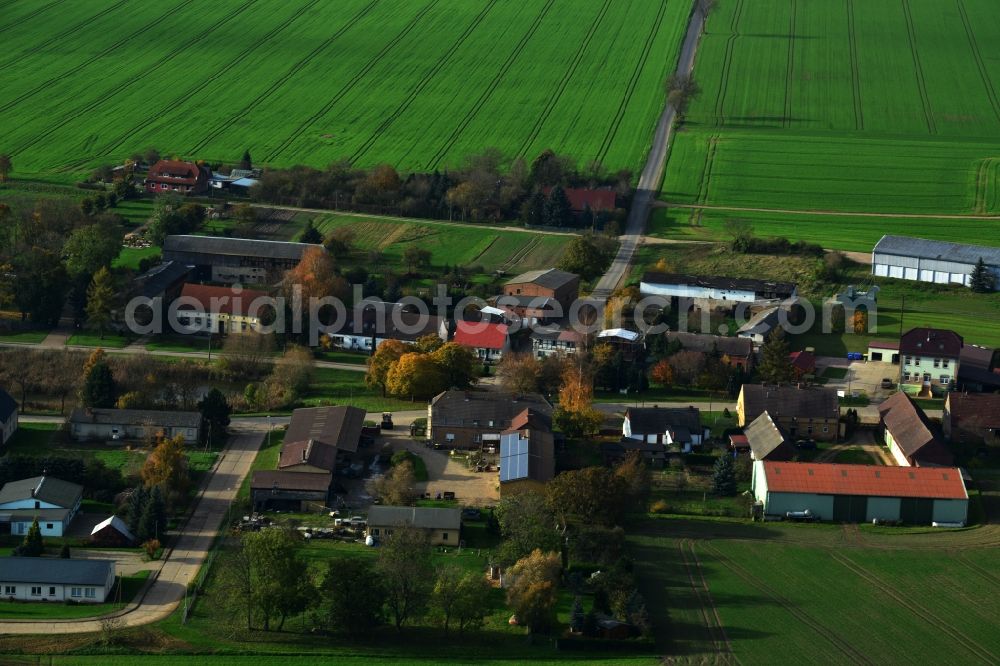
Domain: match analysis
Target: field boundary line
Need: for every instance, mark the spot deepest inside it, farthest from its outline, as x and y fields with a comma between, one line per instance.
x=351, y=83
x=62, y=35
x=111, y=49
x=521, y=254
x=790, y=68
x=832, y=213
x=917, y=68
x=30, y=16
x=233, y=62
x=706, y=171
x=917, y=609
x=616, y=122
x=727, y=63
x=706, y=606
x=424, y=81
x=852, y=37
x=553, y=100
x=978, y=56
x=491, y=88
x=280, y=81
x=802, y=616
x=139, y=76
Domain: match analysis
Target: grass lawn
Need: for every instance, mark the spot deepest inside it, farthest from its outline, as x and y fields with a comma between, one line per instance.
x=39, y=610
x=419, y=466
x=181, y=343
x=831, y=372
x=30, y=438
x=24, y=337
x=267, y=458
x=93, y=339
x=853, y=456
x=331, y=386
x=354, y=358
x=130, y=257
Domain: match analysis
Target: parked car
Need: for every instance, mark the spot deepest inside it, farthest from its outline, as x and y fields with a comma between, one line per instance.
x=806, y=444
x=387, y=421
x=357, y=521
x=471, y=514
x=887, y=383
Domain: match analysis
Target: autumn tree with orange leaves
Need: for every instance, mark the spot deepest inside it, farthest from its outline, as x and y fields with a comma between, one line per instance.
x=575, y=414
x=316, y=278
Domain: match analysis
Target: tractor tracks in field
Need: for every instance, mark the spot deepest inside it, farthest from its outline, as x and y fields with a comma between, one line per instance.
x=351, y=83
x=817, y=626
x=709, y=613
x=64, y=34
x=786, y=118
x=107, y=51
x=564, y=82
x=918, y=68
x=282, y=80
x=491, y=88
x=852, y=37
x=609, y=136
x=706, y=170
x=983, y=173
x=978, y=56
x=30, y=16
x=234, y=62
x=518, y=256
x=920, y=611
x=727, y=62
x=424, y=81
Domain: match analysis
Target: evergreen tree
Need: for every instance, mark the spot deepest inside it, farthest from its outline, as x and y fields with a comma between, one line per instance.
x=32, y=546
x=215, y=410
x=311, y=235
x=982, y=280
x=775, y=365
x=724, y=476
x=577, y=616
x=136, y=503
x=154, y=517
x=533, y=210
x=100, y=300
x=558, y=212
x=99, y=390
x=246, y=162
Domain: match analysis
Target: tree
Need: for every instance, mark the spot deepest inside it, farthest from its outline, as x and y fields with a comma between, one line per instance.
x=316, y=278
x=588, y=255
x=460, y=596
x=518, y=373
x=459, y=366
x=446, y=592
x=6, y=166
x=416, y=257
x=353, y=596
x=576, y=616
x=533, y=591
x=526, y=522
x=415, y=376
x=215, y=411
x=311, y=235
x=558, y=212
x=741, y=233
x=404, y=566
x=533, y=210
x=982, y=280
x=40, y=285
x=724, y=476
x=92, y=247
x=634, y=481
x=153, y=521
x=290, y=378
x=278, y=586
x=662, y=373
x=775, y=364
x=381, y=362
x=340, y=242
x=100, y=300
x=575, y=414
x=246, y=162
x=136, y=503
x=99, y=390
x=396, y=487
x=32, y=546
x=681, y=89
x=860, y=321
x=247, y=355
x=592, y=494
x=167, y=466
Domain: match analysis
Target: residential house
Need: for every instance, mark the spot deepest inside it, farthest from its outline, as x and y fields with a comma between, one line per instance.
x=8, y=416
x=289, y=490
x=560, y=286
x=230, y=260
x=443, y=527
x=475, y=419
x=546, y=342
x=177, y=176
x=318, y=436
x=979, y=369
x=710, y=291
x=207, y=309
x=596, y=200
x=767, y=440
x=136, y=424
x=53, y=579
x=532, y=310
x=909, y=434
x=972, y=417
x=931, y=360
x=488, y=341
x=527, y=455
x=53, y=502
x=760, y=326
x=112, y=533
x=925, y=260
x=628, y=343
x=803, y=411
x=803, y=363
x=861, y=493
x=376, y=322
x=738, y=351
x=678, y=426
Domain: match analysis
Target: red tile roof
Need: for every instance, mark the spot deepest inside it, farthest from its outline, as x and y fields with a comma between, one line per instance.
x=867, y=480
x=175, y=172
x=884, y=344
x=221, y=299
x=804, y=361
x=481, y=334
x=580, y=198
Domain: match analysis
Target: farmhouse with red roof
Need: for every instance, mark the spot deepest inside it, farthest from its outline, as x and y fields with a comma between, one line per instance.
x=204, y=308
x=488, y=340
x=177, y=176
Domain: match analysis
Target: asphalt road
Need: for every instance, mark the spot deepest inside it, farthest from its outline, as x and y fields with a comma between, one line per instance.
x=190, y=548
x=652, y=173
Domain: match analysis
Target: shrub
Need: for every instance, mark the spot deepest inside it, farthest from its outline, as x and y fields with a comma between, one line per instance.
x=150, y=547
x=659, y=506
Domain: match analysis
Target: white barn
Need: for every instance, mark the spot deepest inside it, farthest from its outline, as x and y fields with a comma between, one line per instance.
x=924, y=260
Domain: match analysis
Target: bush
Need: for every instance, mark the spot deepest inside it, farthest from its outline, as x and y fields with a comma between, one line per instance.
x=151, y=547
x=659, y=506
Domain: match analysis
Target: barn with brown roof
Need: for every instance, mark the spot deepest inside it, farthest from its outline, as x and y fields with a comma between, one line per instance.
x=972, y=417
x=317, y=435
x=908, y=433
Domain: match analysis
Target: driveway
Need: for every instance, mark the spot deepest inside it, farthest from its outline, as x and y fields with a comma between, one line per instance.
x=447, y=474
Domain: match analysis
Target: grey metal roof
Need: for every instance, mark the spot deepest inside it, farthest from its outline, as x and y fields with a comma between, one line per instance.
x=7, y=405
x=931, y=249
x=24, y=515
x=239, y=247
x=764, y=436
x=338, y=427
x=159, y=278
x=269, y=479
x=658, y=420
x=477, y=408
x=56, y=571
x=149, y=417
x=44, y=488
x=719, y=282
x=551, y=278
x=432, y=518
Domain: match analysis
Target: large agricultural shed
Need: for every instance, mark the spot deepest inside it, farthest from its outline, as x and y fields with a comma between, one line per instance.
x=931, y=261
x=862, y=493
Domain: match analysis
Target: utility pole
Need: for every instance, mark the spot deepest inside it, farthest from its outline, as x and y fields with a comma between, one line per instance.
x=899, y=353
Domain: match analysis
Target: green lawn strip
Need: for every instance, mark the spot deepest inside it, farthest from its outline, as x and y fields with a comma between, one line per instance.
x=93, y=339
x=853, y=456
x=832, y=372
x=354, y=358
x=267, y=458
x=332, y=386
x=31, y=438
x=23, y=337
x=129, y=257
x=51, y=610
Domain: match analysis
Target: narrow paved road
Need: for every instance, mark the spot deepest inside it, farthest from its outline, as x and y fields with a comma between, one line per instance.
x=830, y=213
x=652, y=173
x=189, y=552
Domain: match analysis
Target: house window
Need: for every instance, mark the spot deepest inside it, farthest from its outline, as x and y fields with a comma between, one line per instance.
x=906, y=376
x=450, y=437
x=937, y=363
x=374, y=531
x=52, y=591
x=944, y=363
x=76, y=592
x=826, y=428
x=444, y=536
x=38, y=505
x=908, y=360
x=48, y=526
x=9, y=589
x=945, y=379
x=917, y=360
x=36, y=591
x=90, y=593
x=477, y=438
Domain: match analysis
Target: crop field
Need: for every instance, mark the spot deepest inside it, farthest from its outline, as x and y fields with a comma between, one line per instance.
x=417, y=84
x=494, y=249
x=884, y=106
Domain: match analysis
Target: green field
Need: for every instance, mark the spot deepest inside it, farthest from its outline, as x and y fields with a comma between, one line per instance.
x=877, y=107
x=419, y=85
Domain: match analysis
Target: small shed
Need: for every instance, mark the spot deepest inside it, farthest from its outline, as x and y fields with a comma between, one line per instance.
x=112, y=533
x=884, y=351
